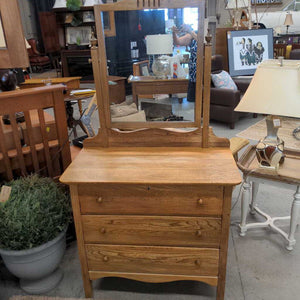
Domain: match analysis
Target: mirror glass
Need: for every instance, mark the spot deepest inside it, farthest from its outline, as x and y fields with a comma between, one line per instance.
x=2, y=37
x=143, y=47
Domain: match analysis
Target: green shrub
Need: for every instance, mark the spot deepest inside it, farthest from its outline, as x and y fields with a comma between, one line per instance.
x=35, y=213
x=73, y=5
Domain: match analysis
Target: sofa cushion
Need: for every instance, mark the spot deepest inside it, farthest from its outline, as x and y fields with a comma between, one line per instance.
x=223, y=80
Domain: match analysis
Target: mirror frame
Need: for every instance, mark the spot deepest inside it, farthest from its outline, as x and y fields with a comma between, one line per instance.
x=100, y=63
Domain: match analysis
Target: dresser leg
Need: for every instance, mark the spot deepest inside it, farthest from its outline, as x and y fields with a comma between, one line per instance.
x=295, y=214
x=88, y=288
x=245, y=207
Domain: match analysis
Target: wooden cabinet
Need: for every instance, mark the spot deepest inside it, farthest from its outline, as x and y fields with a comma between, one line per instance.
x=157, y=224
x=64, y=18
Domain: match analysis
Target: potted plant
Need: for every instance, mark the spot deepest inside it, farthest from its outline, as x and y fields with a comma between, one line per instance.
x=33, y=224
x=73, y=5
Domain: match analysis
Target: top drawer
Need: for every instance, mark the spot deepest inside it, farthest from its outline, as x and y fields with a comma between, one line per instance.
x=184, y=200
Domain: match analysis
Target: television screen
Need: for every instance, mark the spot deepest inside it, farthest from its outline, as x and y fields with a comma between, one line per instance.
x=247, y=49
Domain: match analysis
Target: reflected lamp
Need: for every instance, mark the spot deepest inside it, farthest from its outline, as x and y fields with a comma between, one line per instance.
x=274, y=91
x=288, y=21
x=156, y=45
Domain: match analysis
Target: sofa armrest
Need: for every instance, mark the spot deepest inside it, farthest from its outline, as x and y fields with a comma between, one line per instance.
x=225, y=97
x=242, y=84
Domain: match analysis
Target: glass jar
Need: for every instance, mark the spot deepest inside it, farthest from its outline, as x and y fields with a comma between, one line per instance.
x=161, y=67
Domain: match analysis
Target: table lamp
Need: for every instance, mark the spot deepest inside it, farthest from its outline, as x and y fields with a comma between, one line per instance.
x=156, y=45
x=288, y=21
x=274, y=91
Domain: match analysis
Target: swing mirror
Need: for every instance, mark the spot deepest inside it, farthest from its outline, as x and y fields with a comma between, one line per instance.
x=156, y=92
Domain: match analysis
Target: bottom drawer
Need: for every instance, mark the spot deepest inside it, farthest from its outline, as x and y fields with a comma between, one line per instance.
x=157, y=260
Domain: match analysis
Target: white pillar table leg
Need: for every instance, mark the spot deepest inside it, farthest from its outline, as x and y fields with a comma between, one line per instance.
x=245, y=206
x=254, y=194
x=295, y=211
x=270, y=221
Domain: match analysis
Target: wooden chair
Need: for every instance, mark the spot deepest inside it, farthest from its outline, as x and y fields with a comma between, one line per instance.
x=137, y=68
x=40, y=144
x=279, y=50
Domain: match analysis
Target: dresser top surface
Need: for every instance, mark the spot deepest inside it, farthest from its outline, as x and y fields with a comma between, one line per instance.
x=153, y=165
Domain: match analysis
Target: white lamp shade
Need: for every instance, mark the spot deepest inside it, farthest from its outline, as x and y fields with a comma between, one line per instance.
x=236, y=4
x=274, y=90
x=60, y=3
x=159, y=44
x=288, y=19
x=92, y=2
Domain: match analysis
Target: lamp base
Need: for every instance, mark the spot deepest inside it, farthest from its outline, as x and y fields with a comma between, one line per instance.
x=269, y=150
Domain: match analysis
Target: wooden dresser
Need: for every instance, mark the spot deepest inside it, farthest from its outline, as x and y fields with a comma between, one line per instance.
x=153, y=214
x=153, y=204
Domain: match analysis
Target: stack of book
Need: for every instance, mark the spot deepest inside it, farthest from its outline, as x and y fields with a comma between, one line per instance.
x=83, y=93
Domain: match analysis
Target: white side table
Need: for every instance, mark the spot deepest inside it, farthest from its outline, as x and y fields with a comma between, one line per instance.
x=288, y=175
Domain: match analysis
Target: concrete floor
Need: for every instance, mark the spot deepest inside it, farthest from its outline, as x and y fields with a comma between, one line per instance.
x=258, y=267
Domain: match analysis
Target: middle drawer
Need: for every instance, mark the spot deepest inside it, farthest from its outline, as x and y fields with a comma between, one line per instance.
x=152, y=230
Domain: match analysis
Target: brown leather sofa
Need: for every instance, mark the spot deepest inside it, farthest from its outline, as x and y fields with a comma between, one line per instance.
x=295, y=54
x=224, y=101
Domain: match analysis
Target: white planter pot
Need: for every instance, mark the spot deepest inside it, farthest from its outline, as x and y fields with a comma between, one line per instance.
x=37, y=267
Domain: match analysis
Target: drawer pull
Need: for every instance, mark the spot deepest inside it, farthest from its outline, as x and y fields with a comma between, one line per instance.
x=103, y=230
x=105, y=258
x=197, y=262
x=200, y=201
x=198, y=233
x=99, y=200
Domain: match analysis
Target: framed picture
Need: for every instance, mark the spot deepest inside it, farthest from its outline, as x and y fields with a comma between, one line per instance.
x=80, y=35
x=247, y=49
x=144, y=69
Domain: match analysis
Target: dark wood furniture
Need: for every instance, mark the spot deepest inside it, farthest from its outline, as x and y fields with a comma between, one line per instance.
x=76, y=63
x=61, y=24
x=279, y=50
x=39, y=144
x=153, y=204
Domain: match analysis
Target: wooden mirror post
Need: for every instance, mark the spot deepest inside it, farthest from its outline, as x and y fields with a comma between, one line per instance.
x=153, y=203
x=13, y=52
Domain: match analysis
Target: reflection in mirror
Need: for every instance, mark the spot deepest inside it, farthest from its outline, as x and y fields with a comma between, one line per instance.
x=2, y=37
x=144, y=47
